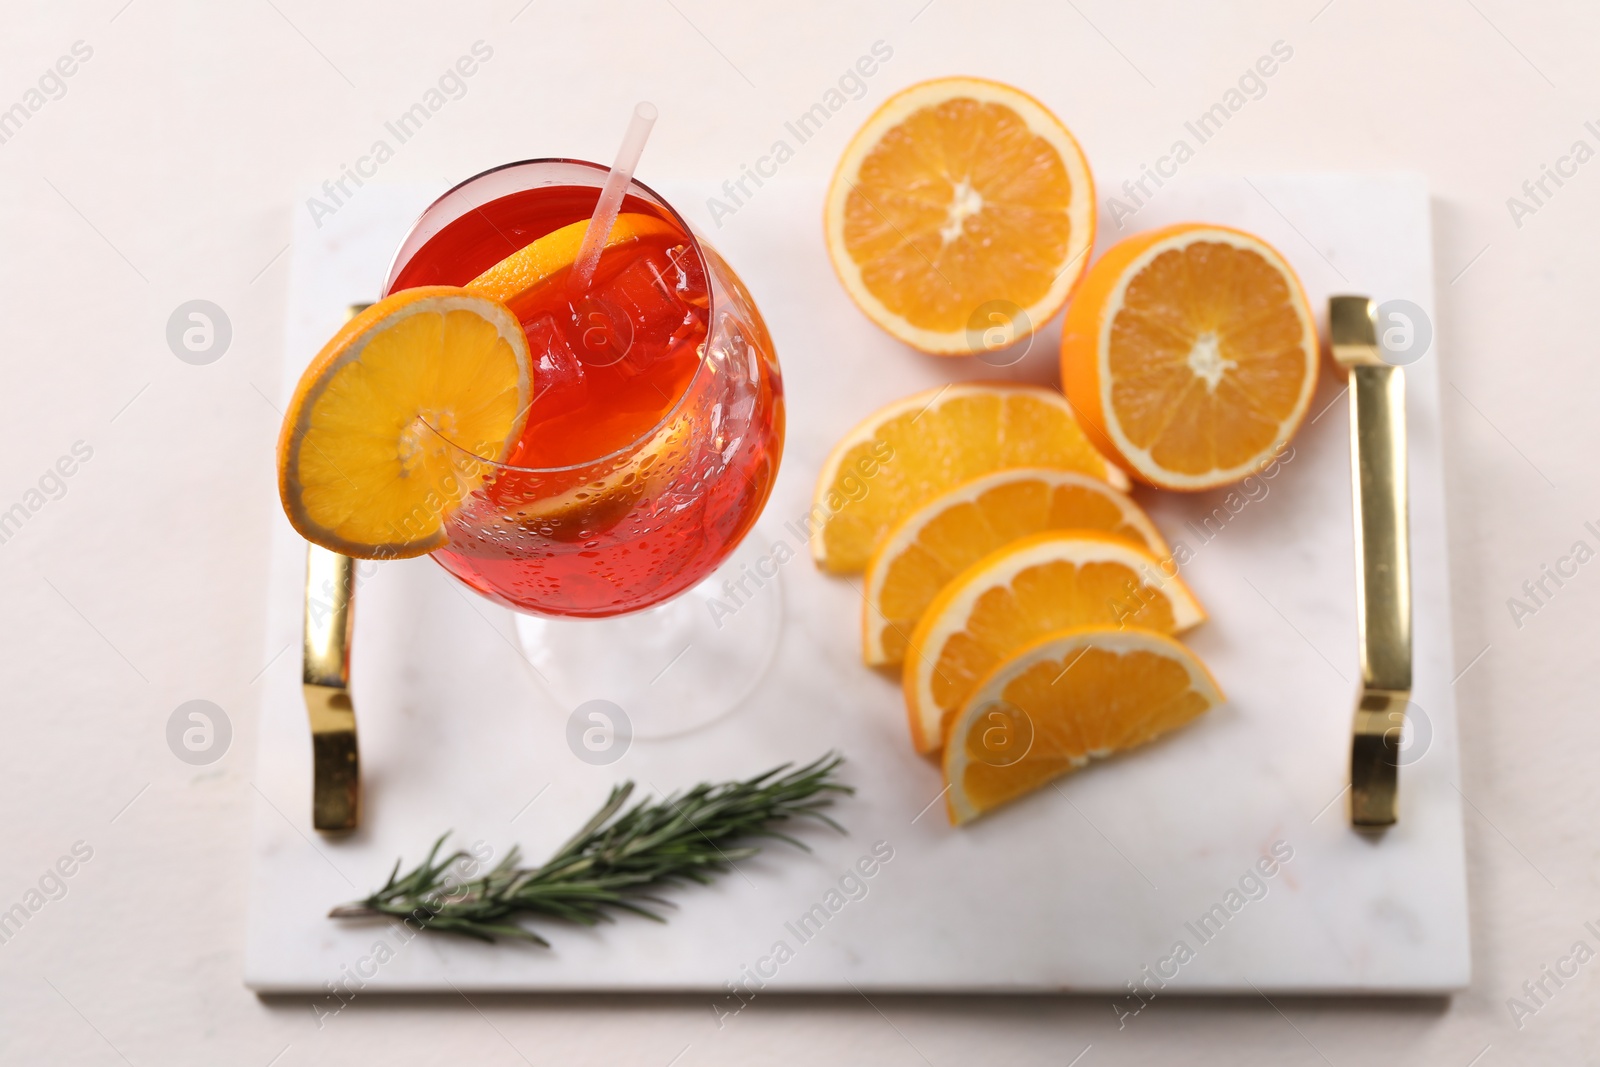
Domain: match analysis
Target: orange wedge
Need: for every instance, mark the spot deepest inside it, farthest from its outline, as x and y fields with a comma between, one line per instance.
x=956, y=529
x=1192, y=353
x=603, y=497
x=397, y=419
x=1066, y=698
x=906, y=453
x=512, y=279
x=960, y=200
x=1032, y=587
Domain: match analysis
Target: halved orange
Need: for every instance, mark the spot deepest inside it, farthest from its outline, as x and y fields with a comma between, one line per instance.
x=1192, y=352
x=954, y=530
x=908, y=452
x=1032, y=587
x=1068, y=697
x=397, y=419
x=961, y=207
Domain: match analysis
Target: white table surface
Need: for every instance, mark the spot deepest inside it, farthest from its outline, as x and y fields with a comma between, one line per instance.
x=166, y=173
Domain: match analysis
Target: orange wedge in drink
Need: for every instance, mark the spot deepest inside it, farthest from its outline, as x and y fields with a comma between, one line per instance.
x=954, y=530
x=1192, y=353
x=962, y=207
x=1064, y=699
x=512, y=279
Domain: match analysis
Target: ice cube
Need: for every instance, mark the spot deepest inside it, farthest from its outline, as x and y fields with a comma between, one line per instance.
x=555, y=365
x=602, y=333
x=689, y=278
x=642, y=290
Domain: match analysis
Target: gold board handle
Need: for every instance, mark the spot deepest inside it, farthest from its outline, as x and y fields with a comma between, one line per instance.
x=335, y=754
x=325, y=678
x=1383, y=558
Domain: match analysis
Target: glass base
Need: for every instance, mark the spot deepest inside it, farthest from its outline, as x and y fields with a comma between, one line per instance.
x=677, y=666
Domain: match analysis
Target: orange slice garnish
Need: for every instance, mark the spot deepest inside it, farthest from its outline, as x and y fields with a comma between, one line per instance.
x=398, y=418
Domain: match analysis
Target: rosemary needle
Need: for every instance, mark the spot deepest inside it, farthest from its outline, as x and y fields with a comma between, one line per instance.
x=616, y=861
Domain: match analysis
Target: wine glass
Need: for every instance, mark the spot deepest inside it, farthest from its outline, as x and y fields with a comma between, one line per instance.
x=652, y=440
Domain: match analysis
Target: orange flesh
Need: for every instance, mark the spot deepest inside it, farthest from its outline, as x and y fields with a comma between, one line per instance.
x=1092, y=702
x=933, y=449
x=907, y=221
x=967, y=532
x=1228, y=312
x=1041, y=599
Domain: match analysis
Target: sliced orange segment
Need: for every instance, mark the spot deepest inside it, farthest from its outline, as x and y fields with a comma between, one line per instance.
x=960, y=200
x=396, y=420
x=954, y=530
x=1033, y=586
x=1068, y=697
x=557, y=506
x=1192, y=352
x=513, y=278
x=905, y=454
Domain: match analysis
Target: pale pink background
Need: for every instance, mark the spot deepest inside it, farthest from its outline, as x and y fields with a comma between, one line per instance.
x=167, y=172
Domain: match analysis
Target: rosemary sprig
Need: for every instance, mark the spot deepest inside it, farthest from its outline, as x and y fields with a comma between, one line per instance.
x=616, y=861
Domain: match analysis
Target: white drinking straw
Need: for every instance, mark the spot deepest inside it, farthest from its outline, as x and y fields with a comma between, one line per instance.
x=611, y=194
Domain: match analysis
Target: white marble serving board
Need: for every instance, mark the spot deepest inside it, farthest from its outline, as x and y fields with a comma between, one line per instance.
x=1076, y=888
